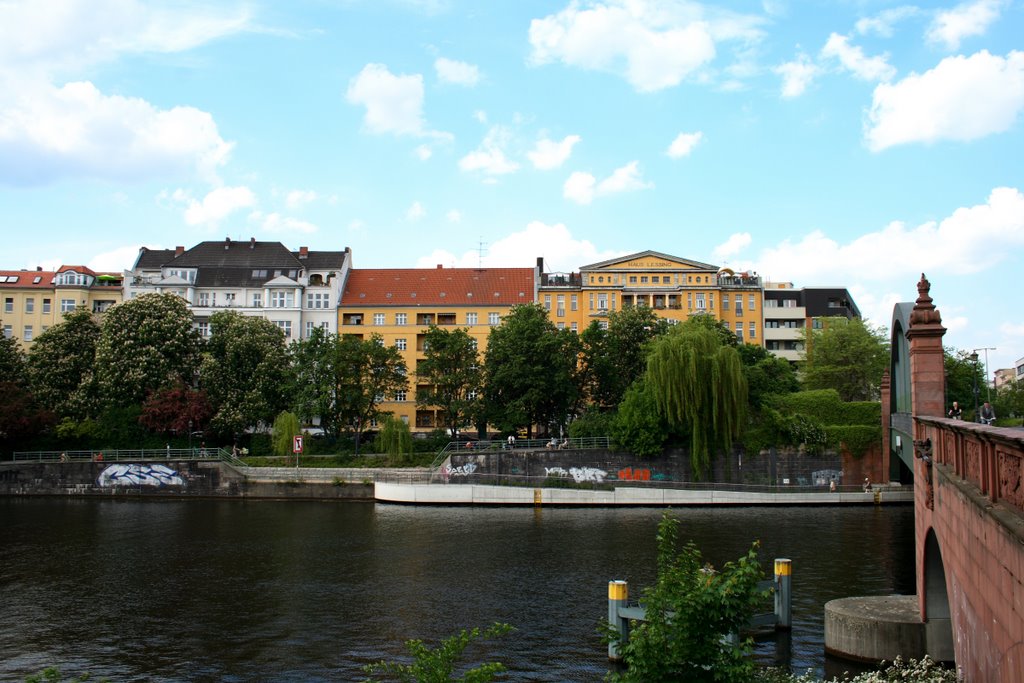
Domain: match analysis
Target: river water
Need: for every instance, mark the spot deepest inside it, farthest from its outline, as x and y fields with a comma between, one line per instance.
x=272, y=591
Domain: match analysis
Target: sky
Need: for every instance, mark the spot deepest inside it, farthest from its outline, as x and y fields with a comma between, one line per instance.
x=846, y=143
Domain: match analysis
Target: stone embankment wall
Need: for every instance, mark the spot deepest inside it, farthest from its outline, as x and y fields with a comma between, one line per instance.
x=175, y=479
x=776, y=467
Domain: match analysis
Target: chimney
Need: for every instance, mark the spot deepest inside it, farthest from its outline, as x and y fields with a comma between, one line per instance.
x=303, y=252
x=39, y=269
x=252, y=242
x=540, y=264
x=227, y=243
x=178, y=251
x=440, y=267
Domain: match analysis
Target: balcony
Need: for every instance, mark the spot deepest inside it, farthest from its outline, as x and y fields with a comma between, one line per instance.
x=560, y=280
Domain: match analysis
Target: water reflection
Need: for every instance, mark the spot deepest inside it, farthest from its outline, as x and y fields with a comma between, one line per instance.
x=174, y=591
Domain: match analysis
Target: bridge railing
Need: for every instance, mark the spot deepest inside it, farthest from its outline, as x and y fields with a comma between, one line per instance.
x=501, y=445
x=990, y=458
x=122, y=454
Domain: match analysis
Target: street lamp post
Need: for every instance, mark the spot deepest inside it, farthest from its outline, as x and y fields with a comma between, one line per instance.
x=974, y=382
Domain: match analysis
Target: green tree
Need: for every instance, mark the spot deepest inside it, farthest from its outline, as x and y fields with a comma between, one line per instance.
x=12, y=361
x=61, y=364
x=690, y=611
x=437, y=665
x=766, y=374
x=145, y=344
x=245, y=372
x=395, y=439
x=318, y=380
x=962, y=376
x=613, y=359
x=1010, y=401
x=368, y=373
x=450, y=376
x=529, y=371
x=638, y=426
x=848, y=356
x=286, y=428
x=699, y=386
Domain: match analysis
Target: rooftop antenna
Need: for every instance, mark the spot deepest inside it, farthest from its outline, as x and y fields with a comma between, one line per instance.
x=480, y=249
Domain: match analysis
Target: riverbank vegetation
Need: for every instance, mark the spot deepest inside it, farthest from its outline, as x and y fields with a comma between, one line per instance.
x=143, y=377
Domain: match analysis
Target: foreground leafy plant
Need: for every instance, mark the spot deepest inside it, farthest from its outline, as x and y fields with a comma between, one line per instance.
x=437, y=665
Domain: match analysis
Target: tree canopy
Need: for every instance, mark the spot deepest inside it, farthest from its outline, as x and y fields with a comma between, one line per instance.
x=369, y=373
x=612, y=359
x=61, y=365
x=962, y=377
x=529, y=370
x=145, y=344
x=848, y=356
x=698, y=386
x=449, y=376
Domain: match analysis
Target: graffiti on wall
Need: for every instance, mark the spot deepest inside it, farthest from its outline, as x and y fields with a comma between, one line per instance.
x=578, y=474
x=139, y=475
x=635, y=474
x=556, y=472
x=460, y=471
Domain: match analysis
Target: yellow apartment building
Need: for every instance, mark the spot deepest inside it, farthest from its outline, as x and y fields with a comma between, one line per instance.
x=34, y=300
x=675, y=288
x=400, y=304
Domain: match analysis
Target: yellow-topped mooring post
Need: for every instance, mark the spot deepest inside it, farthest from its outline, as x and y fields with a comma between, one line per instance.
x=618, y=596
x=783, y=593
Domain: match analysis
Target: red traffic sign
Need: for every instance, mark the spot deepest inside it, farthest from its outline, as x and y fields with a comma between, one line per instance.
x=297, y=444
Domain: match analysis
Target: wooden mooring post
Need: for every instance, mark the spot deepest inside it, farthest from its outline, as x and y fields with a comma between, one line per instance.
x=620, y=612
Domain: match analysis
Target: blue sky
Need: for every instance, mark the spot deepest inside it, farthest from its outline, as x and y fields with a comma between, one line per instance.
x=842, y=143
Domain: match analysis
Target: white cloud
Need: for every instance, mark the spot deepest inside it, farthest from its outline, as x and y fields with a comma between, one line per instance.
x=216, y=205
x=968, y=241
x=454, y=216
x=457, y=73
x=736, y=243
x=415, y=212
x=797, y=75
x=561, y=251
x=582, y=187
x=44, y=38
x=853, y=59
x=684, y=144
x=882, y=24
x=276, y=223
x=548, y=154
x=963, y=98
x=297, y=198
x=1012, y=330
x=654, y=45
x=116, y=260
x=480, y=115
x=394, y=104
x=47, y=133
x=967, y=19
x=489, y=157
x=424, y=152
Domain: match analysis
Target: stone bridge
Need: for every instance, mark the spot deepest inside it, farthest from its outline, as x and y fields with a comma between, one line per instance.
x=969, y=507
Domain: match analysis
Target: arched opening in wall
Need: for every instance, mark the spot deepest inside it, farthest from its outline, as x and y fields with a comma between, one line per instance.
x=938, y=625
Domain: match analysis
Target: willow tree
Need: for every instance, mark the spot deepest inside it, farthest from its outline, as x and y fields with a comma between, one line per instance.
x=698, y=385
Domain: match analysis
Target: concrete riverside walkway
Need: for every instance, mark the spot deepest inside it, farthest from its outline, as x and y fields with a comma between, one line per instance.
x=472, y=494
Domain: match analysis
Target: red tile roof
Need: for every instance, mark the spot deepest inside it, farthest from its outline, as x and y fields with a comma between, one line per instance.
x=438, y=287
x=24, y=278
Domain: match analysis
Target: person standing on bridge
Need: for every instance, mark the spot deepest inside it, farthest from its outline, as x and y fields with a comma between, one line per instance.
x=988, y=414
x=956, y=412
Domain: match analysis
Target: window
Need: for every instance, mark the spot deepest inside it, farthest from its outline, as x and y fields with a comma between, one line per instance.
x=474, y=342
x=643, y=279
x=750, y=302
x=204, y=298
x=281, y=299
x=317, y=300
x=28, y=333
x=786, y=303
x=257, y=300
x=700, y=301
x=310, y=325
x=573, y=304
x=753, y=330
x=46, y=305
x=493, y=319
x=574, y=327
x=203, y=328
x=725, y=301
x=286, y=327
x=560, y=325
x=401, y=344
x=632, y=279
x=603, y=324
x=471, y=318
x=8, y=331
x=378, y=318
x=30, y=305
x=817, y=324
x=401, y=318
x=9, y=305
x=602, y=302
x=67, y=305
x=739, y=331
x=547, y=303
x=400, y=395
x=471, y=395
x=771, y=303
x=560, y=309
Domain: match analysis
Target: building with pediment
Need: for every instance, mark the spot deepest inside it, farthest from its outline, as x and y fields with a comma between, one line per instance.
x=675, y=288
x=296, y=290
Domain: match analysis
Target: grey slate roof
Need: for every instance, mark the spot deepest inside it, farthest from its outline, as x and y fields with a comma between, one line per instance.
x=152, y=259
